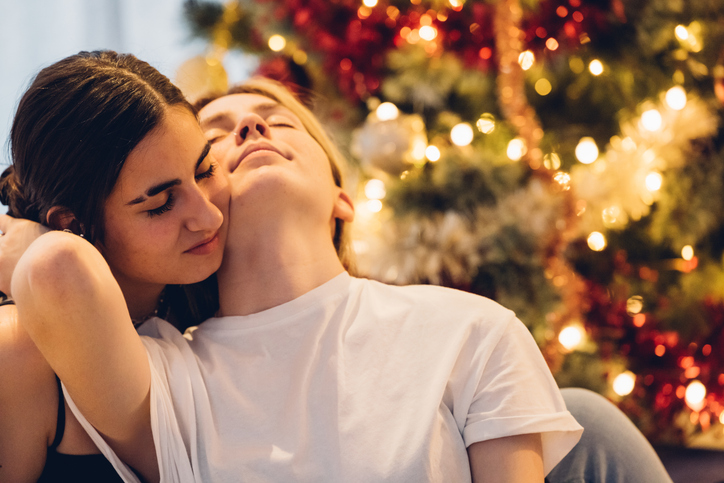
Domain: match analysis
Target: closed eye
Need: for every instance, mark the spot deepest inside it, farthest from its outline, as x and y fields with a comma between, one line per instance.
x=164, y=207
x=208, y=173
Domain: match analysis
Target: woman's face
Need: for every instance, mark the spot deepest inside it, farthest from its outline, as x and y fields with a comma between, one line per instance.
x=164, y=219
x=276, y=167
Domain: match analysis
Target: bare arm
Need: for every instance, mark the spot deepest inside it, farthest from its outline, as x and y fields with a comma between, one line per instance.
x=514, y=459
x=74, y=311
x=28, y=402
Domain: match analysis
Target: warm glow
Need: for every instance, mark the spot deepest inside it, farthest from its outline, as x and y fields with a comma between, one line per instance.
x=571, y=337
x=596, y=241
x=369, y=3
x=387, y=111
x=374, y=206
x=596, y=67
x=552, y=44
x=419, y=147
x=375, y=189
x=428, y=32
x=654, y=181
x=687, y=253
x=552, y=161
x=587, y=150
x=526, y=59
x=486, y=123
x=624, y=383
x=516, y=149
x=611, y=214
x=676, y=98
x=651, y=120
x=695, y=394
x=277, y=43
x=681, y=32
x=462, y=134
x=563, y=180
x=634, y=305
x=543, y=86
x=432, y=153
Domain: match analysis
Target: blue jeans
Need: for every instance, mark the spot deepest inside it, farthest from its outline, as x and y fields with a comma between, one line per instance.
x=611, y=450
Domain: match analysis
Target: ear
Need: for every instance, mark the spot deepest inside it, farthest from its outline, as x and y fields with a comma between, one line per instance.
x=61, y=218
x=343, y=207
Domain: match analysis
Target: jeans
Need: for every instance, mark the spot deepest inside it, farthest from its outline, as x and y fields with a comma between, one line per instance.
x=611, y=450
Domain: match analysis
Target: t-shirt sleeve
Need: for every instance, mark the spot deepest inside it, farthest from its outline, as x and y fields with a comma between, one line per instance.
x=513, y=392
x=171, y=452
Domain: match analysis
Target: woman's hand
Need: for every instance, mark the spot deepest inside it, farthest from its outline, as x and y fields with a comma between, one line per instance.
x=17, y=235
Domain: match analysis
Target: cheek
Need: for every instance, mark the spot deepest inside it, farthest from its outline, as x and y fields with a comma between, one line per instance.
x=219, y=150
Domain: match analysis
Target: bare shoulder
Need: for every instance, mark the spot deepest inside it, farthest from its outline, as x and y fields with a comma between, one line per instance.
x=29, y=401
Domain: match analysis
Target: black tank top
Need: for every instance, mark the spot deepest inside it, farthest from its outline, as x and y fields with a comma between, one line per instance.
x=60, y=467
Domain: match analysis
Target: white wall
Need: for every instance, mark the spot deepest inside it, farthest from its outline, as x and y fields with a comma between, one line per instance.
x=35, y=33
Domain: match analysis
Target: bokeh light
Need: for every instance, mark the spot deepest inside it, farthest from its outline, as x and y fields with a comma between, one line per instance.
x=695, y=394
x=595, y=67
x=676, y=98
x=277, y=43
x=387, y=111
x=526, y=59
x=651, y=120
x=486, y=123
x=516, y=149
x=432, y=153
x=624, y=383
x=462, y=134
x=587, y=150
x=375, y=189
x=596, y=241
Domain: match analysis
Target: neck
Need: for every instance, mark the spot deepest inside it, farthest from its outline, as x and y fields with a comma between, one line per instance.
x=266, y=268
x=142, y=300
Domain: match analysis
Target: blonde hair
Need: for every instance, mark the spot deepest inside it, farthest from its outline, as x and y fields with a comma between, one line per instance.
x=279, y=93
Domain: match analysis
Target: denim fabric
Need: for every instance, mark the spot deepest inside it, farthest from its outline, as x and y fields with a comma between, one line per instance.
x=611, y=450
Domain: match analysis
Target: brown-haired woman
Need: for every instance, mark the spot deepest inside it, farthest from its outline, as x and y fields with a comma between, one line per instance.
x=105, y=147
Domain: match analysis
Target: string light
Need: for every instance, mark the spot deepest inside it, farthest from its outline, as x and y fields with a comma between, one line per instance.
x=563, y=180
x=624, y=383
x=695, y=394
x=516, y=149
x=687, y=253
x=374, y=206
x=428, y=32
x=571, y=337
x=595, y=67
x=552, y=44
x=543, y=86
x=596, y=241
x=552, y=161
x=462, y=134
x=486, y=123
x=432, y=153
x=654, y=181
x=375, y=189
x=634, y=305
x=651, y=120
x=526, y=59
x=369, y=3
x=277, y=43
x=587, y=150
x=387, y=111
x=676, y=98
x=681, y=32
x=610, y=215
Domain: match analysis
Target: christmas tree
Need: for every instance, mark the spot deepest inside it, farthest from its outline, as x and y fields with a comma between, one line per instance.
x=561, y=157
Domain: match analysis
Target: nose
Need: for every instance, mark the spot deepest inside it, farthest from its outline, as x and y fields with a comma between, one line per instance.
x=203, y=214
x=251, y=126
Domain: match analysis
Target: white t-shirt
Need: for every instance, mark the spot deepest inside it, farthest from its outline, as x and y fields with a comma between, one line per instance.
x=355, y=381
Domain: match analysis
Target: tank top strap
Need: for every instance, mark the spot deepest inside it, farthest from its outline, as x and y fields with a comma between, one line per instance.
x=60, y=424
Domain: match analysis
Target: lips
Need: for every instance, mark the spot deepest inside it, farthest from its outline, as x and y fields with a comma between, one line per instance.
x=256, y=147
x=206, y=246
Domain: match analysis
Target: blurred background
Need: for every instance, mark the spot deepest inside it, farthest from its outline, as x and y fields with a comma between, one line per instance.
x=563, y=157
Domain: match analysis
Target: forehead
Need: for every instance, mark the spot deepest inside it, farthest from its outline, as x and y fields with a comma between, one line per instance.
x=234, y=105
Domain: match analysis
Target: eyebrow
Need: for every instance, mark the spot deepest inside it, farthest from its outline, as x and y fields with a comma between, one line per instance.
x=229, y=114
x=161, y=187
